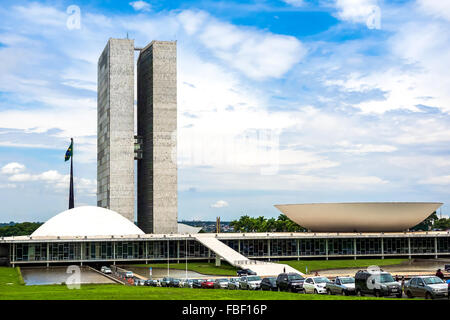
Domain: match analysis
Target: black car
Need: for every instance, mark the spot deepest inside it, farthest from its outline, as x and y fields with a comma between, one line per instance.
x=175, y=283
x=245, y=272
x=290, y=282
x=447, y=267
x=165, y=282
x=269, y=284
x=197, y=283
x=378, y=283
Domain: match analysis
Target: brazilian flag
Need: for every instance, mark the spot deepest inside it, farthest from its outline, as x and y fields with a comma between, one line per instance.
x=69, y=152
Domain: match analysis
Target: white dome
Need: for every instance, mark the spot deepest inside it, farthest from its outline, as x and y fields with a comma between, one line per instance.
x=87, y=221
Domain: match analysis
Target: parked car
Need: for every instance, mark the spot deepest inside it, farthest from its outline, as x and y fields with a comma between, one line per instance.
x=174, y=283
x=378, y=284
x=139, y=282
x=250, y=282
x=188, y=283
x=166, y=281
x=245, y=272
x=233, y=284
x=106, y=270
x=197, y=283
x=208, y=284
x=290, y=282
x=430, y=287
x=129, y=274
x=341, y=285
x=221, y=283
x=151, y=283
x=269, y=284
x=447, y=267
x=315, y=285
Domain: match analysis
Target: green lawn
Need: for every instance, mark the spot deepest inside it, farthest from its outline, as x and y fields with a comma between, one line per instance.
x=316, y=265
x=201, y=267
x=12, y=289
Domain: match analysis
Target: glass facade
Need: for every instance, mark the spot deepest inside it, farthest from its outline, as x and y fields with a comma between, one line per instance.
x=252, y=248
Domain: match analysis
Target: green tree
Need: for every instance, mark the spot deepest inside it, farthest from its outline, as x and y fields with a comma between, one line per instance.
x=442, y=224
x=262, y=224
x=426, y=224
x=19, y=229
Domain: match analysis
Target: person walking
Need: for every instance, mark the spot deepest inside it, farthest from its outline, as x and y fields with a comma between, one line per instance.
x=439, y=274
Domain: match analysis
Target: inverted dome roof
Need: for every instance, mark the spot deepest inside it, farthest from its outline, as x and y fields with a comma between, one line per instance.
x=87, y=221
x=359, y=216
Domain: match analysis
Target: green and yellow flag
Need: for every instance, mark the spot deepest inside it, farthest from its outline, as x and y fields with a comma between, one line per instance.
x=69, y=152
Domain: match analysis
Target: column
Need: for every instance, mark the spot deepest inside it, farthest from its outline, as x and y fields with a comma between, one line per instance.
x=409, y=248
x=382, y=248
x=13, y=254
x=354, y=248
x=146, y=252
x=298, y=249
x=435, y=248
x=81, y=253
x=114, y=253
x=178, y=251
x=48, y=254
x=239, y=245
x=268, y=248
x=326, y=248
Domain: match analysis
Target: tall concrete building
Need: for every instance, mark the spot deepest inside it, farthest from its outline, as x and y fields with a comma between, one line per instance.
x=115, y=128
x=155, y=145
x=156, y=126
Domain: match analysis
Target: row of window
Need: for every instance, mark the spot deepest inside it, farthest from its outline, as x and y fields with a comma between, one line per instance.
x=129, y=250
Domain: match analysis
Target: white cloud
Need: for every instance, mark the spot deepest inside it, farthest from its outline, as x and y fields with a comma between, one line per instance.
x=257, y=54
x=13, y=168
x=355, y=10
x=8, y=186
x=140, y=5
x=437, y=8
x=220, y=204
x=295, y=3
x=441, y=180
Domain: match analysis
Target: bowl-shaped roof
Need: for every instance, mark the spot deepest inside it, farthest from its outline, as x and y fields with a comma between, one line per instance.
x=359, y=216
x=87, y=221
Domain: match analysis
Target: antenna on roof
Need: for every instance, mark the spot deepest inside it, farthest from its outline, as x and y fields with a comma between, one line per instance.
x=127, y=34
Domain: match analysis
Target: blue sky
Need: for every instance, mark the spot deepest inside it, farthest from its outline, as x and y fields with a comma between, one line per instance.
x=278, y=101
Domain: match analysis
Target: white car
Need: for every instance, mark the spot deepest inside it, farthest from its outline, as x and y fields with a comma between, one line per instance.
x=129, y=274
x=250, y=282
x=315, y=285
x=106, y=270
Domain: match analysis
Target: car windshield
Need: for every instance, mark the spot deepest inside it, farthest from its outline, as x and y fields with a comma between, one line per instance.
x=386, y=277
x=347, y=280
x=295, y=277
x=255, y=278
x=223, y=280
x=210, y=280
x=432, y=280
x=321, y=280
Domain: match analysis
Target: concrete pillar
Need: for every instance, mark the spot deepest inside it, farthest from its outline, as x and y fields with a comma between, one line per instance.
x=326, y=249
x=435, y=248
x=217, y=260
x=48, y=254
x=178, y=251
x=13, y=254
x=409, y=248
x=239, y=245
x=268, y=248
x=81, y=253
x=298, y=249
x=209, y=255
x=354, y=248
x=146, y=252
x=114, y=252
x=382, y=248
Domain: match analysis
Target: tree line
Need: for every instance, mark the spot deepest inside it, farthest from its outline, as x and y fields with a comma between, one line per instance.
x=19, y=229
x=262, y=224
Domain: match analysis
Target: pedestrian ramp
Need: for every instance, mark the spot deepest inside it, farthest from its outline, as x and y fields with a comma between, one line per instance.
x=262, y=268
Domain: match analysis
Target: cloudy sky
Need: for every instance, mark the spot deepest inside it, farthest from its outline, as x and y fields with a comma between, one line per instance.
x=278, y=101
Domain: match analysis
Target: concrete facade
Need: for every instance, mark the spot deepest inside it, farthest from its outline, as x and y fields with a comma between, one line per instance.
x=115, y=128
x=157, y=199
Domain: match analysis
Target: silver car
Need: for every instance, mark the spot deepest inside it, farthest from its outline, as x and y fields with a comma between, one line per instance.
x=233, y=284
x=430, y=287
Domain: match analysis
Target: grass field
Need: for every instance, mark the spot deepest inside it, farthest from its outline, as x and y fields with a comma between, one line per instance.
x=201, y=267
x=316, y=265
x=12, y=289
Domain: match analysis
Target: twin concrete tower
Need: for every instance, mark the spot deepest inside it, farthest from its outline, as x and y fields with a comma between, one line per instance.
x=154, y=147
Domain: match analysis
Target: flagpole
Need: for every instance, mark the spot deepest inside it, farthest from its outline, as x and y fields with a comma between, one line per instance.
x=71, y=200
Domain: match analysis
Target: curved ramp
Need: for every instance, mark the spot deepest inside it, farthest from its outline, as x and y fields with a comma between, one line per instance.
x=262, y=268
